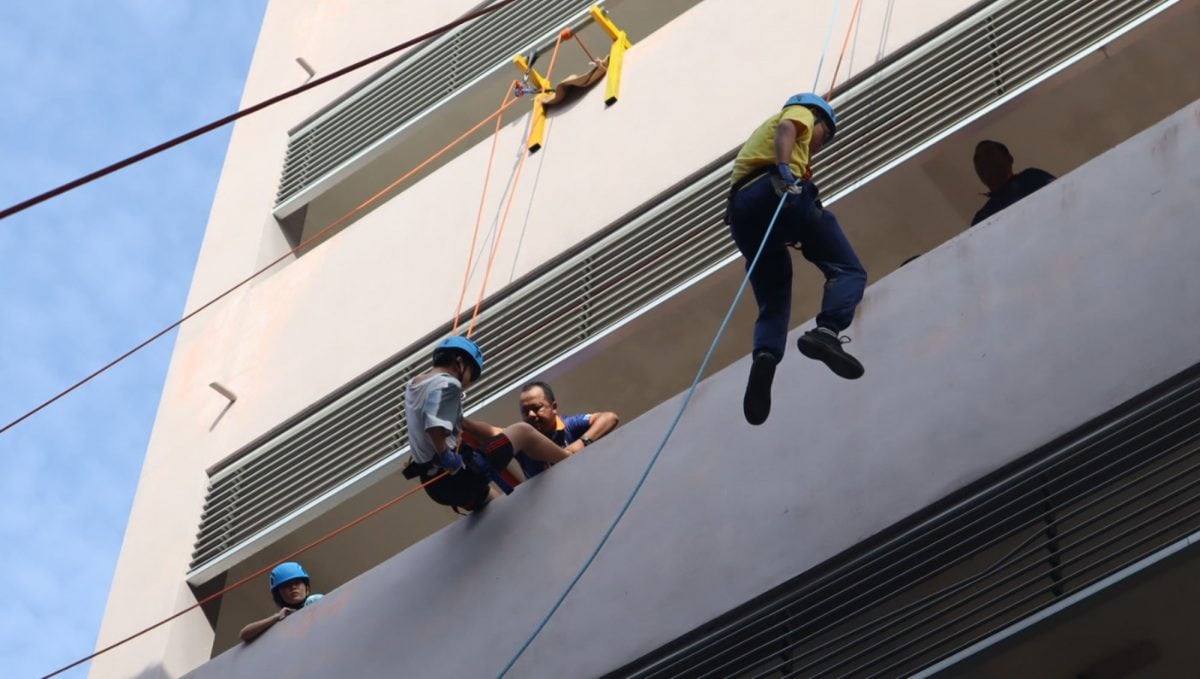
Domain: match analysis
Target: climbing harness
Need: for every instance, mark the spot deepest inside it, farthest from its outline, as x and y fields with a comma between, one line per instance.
x=477, y=462
x=682, y=408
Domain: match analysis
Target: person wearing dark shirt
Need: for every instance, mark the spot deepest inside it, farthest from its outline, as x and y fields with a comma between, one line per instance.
x=994, y=166
x=573, y=433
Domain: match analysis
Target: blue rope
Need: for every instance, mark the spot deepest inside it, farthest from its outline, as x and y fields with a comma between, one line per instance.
x=686, y=399
x=654, y=459
x=825, y=47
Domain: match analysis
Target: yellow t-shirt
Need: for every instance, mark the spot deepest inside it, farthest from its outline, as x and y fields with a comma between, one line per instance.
x=759, y=149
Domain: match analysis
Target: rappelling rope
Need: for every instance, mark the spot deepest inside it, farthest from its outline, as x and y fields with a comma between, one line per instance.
x=683, y=406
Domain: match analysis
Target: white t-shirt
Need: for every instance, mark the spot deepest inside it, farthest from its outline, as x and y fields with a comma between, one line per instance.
x=432, y=400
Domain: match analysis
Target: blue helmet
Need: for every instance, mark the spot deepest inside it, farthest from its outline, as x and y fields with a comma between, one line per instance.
x=466, y=347
x=288, y=571
x=822, y=106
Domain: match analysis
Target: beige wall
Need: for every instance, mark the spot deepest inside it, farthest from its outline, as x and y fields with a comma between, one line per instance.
x=319, y=321
x=999, y=342
x=148, y=584
x=690, y=92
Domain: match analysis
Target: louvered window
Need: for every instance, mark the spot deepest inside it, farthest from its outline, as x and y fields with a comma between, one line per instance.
x=416, y=85
x=967, y=70
x=1119, y=491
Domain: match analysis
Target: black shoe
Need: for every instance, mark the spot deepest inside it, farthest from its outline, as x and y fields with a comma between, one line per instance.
x=825, y=346
x=756, y=405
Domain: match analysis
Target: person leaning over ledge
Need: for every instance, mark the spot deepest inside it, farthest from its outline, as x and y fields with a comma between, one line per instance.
x=573, y=433
x=290, y=589
x=433, y=410
x=994, y=167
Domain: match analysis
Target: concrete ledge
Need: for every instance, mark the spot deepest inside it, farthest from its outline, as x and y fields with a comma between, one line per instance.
x=1002, y=339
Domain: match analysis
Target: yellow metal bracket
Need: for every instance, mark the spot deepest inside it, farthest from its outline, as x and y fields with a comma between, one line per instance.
x=543, y=87
x=530, y=73
x=616, y=57
x=537, y=126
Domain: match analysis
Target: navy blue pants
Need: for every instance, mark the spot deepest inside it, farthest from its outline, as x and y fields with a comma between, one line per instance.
x=821, y=242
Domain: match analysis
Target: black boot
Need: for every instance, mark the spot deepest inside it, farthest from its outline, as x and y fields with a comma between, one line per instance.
x=825, y=346
x=756, y=405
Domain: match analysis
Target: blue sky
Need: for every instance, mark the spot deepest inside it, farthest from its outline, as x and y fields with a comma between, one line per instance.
x=90, y=274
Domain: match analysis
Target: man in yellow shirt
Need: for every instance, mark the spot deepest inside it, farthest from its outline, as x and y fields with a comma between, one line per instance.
x=772, y=164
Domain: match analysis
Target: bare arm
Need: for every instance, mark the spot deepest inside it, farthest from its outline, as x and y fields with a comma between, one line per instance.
x=785, y=140
x=255, y=629
x=600, y=424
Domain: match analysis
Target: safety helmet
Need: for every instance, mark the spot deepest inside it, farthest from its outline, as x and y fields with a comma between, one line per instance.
x=822, y=106
x=288, y=571
x=468, y=349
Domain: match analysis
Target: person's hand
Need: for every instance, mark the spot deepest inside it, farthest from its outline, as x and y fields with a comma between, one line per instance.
x=283, y=613
x=450, y=460
x=785, y=173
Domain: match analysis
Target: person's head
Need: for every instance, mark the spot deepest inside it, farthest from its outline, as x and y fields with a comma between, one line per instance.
x=461, y=357
x=289, y=585
x=538, y=407
x=826, y=126
x=993, y=164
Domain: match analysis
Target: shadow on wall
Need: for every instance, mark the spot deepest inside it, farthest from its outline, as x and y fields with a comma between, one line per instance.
x=152, y=672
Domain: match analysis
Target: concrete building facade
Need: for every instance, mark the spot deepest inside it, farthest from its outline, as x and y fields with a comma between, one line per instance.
x=609, y=280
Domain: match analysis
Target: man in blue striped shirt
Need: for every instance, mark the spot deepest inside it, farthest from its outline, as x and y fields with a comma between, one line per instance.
x=573, y=433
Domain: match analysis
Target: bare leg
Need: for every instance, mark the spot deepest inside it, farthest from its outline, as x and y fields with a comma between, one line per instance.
x=480, y=430
x=534, y=444
x=514, y=468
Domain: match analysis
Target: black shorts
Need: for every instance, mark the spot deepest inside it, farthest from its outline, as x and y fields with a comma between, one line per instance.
x=468, y=489
x=498, y=452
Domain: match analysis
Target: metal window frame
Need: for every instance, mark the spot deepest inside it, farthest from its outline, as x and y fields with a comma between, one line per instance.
x=381, y=134
x=697, y=203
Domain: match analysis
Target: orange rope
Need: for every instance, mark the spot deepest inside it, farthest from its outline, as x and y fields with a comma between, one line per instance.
x=498, y=115
x=554, y=57
x=462, y=295
x=591, y=57
x=845, y=44
x=255, y=574
x=423, y=164
x=362, y=206
x=496, y=245
x=507, y=206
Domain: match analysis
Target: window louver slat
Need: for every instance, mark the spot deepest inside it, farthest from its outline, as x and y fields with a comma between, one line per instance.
x=1009, y=42
x=417, y=83
x=1112, y=493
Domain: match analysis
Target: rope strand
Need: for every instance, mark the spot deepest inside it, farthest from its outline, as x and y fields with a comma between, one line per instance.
x=496, y=245
x=687, y=399
x=212, y=597
x=845, y=43
x=508, y=205
x=219, y=123
x=462, y=295
x=345, y=218
x=579, y=41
